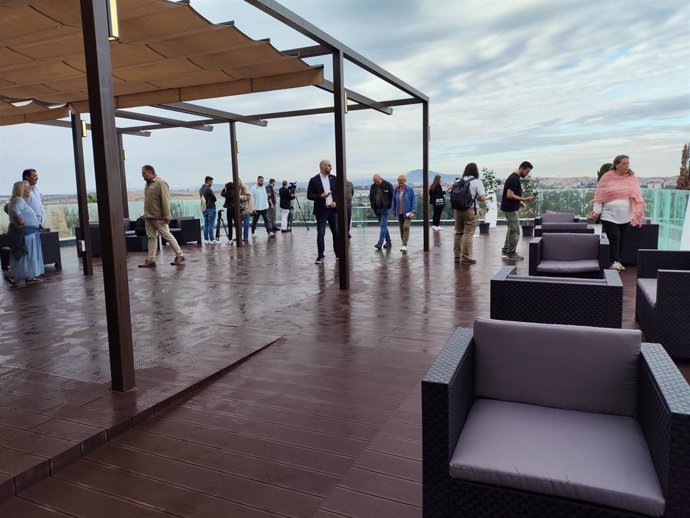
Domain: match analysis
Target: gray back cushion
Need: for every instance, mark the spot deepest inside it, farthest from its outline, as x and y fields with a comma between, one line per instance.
x=566, y=227
x=570, y=247
x=571, y=367
x=558, y=217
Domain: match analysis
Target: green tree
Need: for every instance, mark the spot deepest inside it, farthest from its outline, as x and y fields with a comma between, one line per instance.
x=491, y=185
x=91, y=198
x=683, y=181
x=529, y=188
x=605, y=168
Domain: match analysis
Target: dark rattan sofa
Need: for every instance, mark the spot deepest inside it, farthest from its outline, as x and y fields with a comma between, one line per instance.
x=537, y=420
x=557, y=300
x=645, y=237
x=556, y=217
x=185, y=229
x=662, y=303
x=571, y=227
x=569, y=255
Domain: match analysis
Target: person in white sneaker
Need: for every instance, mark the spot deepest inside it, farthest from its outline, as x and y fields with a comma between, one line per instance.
x=618, y=203
x=404, y=208
x=209, y=212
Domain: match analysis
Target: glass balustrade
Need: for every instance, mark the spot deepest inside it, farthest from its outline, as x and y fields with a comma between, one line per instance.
x=666, y=207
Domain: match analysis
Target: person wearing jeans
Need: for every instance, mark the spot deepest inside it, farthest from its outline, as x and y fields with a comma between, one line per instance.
x=511, y=202
x=404, y=208
x=209, y=213
x=381, y=200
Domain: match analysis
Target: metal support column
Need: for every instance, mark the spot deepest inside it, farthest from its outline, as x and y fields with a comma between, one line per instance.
x=82, y=202
x=94, y=18
x=339, y=101
x=123, y=176
x=425, y=171
x=236, y=182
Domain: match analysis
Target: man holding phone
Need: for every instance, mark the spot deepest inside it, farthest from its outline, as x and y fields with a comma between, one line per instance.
x=321, y=190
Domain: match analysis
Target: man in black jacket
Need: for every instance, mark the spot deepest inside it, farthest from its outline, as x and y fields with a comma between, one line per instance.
x=381, y=199
x=322, y=190
x=286, y=197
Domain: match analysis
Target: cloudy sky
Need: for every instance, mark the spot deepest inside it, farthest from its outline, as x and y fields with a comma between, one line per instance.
x=565, y=84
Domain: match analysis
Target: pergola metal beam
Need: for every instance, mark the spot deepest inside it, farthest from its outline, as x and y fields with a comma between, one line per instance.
x=203, y=111
x=339, y=105
x=65, y=124
x=358, y=98
x=199, y=125
x=308, y=52
x=165, y=121
x=329, y=109
x=302, y=26
x=94, y=19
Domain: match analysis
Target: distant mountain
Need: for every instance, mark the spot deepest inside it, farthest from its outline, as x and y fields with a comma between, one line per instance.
x=417, y=176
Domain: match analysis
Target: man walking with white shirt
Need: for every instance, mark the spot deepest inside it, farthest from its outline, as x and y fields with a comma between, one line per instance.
x=260, y=197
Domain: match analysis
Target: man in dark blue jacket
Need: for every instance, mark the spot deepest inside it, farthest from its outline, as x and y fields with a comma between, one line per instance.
x=321, y=190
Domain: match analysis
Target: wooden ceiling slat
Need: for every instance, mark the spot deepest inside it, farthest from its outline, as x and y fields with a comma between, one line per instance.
x=166, y=51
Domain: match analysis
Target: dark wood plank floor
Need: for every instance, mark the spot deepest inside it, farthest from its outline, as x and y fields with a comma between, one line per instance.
x=324, y=422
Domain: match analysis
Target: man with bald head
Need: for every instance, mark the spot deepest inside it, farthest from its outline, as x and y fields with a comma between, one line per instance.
x=322, y=190
x=381, y=199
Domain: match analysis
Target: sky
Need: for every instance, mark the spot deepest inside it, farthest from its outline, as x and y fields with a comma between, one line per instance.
x=565, y=84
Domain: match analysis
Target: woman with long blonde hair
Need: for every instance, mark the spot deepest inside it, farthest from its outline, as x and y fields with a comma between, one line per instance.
x=26, y=257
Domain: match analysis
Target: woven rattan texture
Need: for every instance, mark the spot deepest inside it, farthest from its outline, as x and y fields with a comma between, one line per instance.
x=668, y=322
x=639, y=238
x=447, y=395
x=651, y=261
x=558, y=302
x=472, y=500
x=664, y=413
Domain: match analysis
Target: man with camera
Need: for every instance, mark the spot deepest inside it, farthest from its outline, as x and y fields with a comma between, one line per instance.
x=286, y=194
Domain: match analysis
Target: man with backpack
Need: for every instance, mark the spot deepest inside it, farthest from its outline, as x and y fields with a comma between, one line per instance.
x=463, y=198
x=511, y=202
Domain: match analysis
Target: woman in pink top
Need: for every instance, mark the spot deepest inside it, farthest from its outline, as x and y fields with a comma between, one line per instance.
x=618, y=203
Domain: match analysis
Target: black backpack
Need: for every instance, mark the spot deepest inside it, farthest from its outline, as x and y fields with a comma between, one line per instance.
x=461, y=196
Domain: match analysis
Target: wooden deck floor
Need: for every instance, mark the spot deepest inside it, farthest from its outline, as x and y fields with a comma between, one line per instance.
x=324, y=422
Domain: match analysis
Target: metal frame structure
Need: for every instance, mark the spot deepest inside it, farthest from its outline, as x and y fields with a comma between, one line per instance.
x=109, y=157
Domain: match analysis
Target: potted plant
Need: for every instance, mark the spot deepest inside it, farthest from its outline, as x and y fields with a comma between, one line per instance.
x=491, y=185
x=529, y=188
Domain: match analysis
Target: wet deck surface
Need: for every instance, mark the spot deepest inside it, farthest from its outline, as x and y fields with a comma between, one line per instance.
x=324, y=422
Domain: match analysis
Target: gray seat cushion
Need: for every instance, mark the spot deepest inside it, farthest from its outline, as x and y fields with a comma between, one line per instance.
x=597, y=458
x=557, y=280
x=593, y=369
x=565, y=227
x=570, y=247
x=581, y=266
x=558, y=217
x=648, y=288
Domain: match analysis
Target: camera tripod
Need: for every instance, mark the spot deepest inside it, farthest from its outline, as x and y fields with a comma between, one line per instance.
x=304, y=218
x=220, y=221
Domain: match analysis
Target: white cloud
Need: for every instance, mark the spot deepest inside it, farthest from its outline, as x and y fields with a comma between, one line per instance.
x=566, y=84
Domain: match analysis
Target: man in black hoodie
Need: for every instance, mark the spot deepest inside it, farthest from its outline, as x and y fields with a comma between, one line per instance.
x=381, y=200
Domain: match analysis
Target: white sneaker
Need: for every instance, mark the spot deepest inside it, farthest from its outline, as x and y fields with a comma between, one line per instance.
x=403, y=248
x=617, y=266
x=214, y=242
x=207, y=242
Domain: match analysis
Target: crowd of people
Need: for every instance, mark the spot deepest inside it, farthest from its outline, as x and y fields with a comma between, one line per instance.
x=617, y=203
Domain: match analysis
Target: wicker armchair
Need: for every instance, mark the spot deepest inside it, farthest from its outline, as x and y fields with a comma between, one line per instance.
x=536, y=420
x=185, y=229
x=645, y=237
x=553, y=300
x=571, y=228
x=662, y=304
x=555, y=217
x=569, y=255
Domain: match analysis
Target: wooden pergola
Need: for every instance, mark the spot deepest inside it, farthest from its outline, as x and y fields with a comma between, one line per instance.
x=61, y=58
